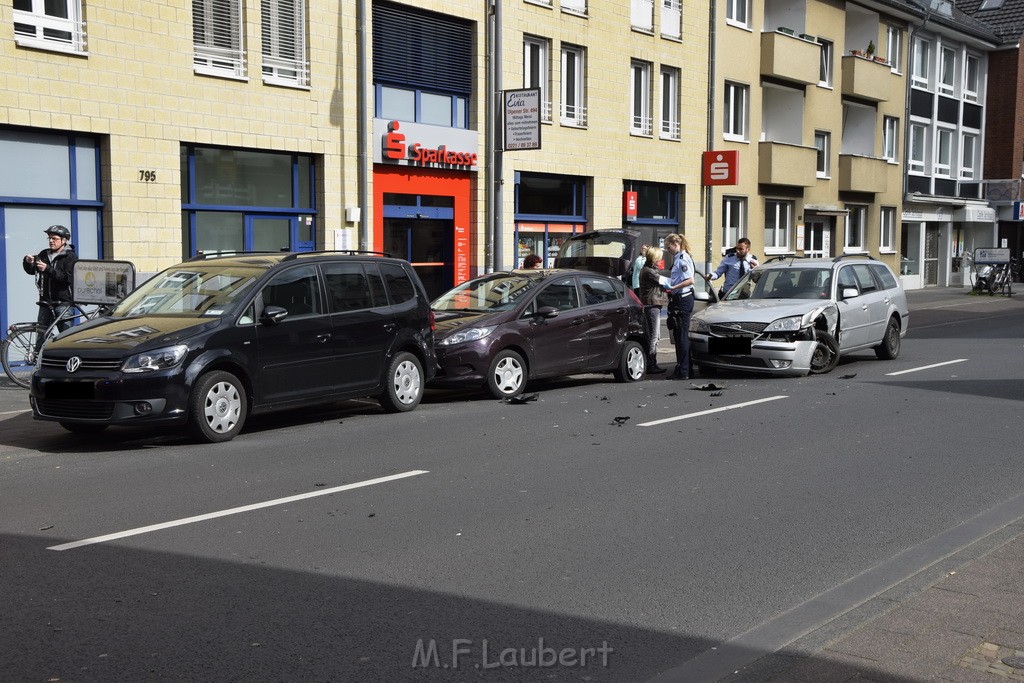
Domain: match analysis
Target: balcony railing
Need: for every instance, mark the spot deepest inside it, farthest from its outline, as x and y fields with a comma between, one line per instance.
x=1001, y=191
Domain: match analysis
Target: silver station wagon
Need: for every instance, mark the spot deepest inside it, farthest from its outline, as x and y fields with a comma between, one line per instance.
x=793, y=316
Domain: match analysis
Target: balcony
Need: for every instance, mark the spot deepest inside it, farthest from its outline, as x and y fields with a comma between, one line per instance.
x=868, y=79
x=781, y=163
x=790, y=58
x=863, y=174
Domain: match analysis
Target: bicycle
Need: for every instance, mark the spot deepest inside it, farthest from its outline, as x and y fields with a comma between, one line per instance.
x=20, y=350
x=1002, y=279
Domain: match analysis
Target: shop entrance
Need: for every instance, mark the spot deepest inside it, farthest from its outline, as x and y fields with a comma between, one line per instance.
x=819, y=239
x=420, y=229
x=931, y=255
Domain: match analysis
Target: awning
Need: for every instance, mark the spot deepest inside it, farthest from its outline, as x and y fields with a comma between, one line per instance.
x=975, y=214
x=825, y=210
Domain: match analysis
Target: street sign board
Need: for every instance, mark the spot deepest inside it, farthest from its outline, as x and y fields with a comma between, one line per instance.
x=991, y=255
x=522, y=119
x=102, y=282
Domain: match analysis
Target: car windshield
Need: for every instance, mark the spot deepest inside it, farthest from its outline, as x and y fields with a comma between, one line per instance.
x=783, y=283
x=190, y=291
x=498, y=292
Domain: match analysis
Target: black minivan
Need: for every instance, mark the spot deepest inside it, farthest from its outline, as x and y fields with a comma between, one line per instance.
x=211, y=341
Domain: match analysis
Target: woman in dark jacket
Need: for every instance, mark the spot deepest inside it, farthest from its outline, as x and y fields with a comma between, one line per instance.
x=653, y=296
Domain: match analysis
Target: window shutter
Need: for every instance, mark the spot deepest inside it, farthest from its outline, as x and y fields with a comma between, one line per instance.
x=217, y=33
x=284, y=41
x=423, y=50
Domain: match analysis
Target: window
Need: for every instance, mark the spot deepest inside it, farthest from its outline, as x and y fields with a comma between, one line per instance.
x=575, y=6
x=404, y=104
x=856, y=222
x=967, y=152
x=919, y=69
x=918, y=148
x=672, y=18
x=971, y=78
x=284, y=42
x=734, y=220
x=50, y=24
x=574, y=111
x=823, y=141
x=656, y=203
x=669, y=103
x=947, y=71
x=887, y=229
x=735, y=113
x=536, y=71
x=825, y=67
x=640, y=98
x=943, y=152
x=217, y=35
x=991, y=4
x=641, y=14
x=890, y=138
x=778, y=221
x=738, y=12
x=894, y=47
x=297, y=290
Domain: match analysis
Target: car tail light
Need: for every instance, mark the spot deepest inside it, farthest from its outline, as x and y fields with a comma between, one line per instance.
x=635, y=298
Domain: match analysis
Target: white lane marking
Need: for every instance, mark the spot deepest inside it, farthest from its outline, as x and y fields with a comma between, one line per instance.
x=708, y=412
x=926, y=367
x=233, y=511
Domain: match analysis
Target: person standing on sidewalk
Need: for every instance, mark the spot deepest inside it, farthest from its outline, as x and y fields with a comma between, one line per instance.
x=680, y=302
x=652, y=294
x=53, y=268
x=635, y=268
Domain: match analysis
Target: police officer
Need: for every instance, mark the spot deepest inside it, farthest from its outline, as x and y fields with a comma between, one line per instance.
x=735, y=265
x=53, y=268
x=680, y=302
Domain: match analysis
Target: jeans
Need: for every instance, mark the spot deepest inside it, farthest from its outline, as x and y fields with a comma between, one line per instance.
x=682, y=308
x=653, y=314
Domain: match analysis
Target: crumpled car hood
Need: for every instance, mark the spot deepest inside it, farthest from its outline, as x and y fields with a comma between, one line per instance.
x=759, y=310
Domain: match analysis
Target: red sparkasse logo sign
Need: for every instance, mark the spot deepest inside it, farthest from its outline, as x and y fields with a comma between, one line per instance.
x=395, y=148
x=721, y=167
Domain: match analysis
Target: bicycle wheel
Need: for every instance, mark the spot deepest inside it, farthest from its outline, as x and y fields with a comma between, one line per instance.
x=18, y=355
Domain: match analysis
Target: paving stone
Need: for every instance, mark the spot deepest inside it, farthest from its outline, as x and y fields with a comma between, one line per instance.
x=870, y=642
x=942, y=601
x=907, y=620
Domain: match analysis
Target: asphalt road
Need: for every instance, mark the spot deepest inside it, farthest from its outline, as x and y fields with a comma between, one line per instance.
x=602, y=532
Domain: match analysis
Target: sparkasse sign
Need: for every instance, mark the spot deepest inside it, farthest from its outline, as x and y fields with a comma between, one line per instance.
x=412, y=144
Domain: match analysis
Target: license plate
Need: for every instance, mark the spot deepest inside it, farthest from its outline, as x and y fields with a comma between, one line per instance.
x=729, y=346
x=66, y=390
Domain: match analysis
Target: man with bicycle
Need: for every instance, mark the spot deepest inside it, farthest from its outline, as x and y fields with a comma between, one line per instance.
x=53, y=268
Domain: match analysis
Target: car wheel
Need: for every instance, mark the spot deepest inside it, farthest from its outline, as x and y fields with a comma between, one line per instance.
x=82, y=428
x=507, y=375
x=218, y=407
x=403, y=388
x=826, y=354
x=890, y=346
x=632, y=363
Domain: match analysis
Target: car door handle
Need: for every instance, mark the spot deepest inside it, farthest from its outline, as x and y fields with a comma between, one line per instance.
x=390, y=327
x=578, y=321
x=620, y=311
x=323, y=336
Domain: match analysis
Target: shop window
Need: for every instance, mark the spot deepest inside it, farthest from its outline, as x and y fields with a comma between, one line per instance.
x=550, y=195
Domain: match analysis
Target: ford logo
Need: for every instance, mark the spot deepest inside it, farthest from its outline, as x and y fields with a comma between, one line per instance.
x=73, y=363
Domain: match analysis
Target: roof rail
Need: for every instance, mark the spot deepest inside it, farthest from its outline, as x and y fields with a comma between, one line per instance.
x=842, y=256
x=351, y=252
x=784, y=257
x=203, y=256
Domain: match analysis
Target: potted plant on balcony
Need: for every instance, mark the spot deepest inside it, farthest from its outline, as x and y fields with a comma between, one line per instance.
x=871, y=49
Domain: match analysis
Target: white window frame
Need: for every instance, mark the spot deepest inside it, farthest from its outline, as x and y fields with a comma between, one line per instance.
x=823, y=143
x=887, y=229
x=920, y=66
x=737, y=13
x=856, y=226
x=972, y=82
x=573, y=109
x=537, y=71
x=894, y=46
x=640, y=122
x=919, y=149
x=670, y=123
x=283, y=30
x=736, y=113
x=891, y=139
x=574, y=6
x=825, y=69
x=968, y=156
x=672, y=19
x=734, y=220
x=778, y=225
x=947, y=71
x=641, y=15
x=228, y=57
x=36, y=28
x=944, y=152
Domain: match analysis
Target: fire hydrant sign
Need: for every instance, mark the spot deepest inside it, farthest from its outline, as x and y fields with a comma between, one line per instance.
x=522, y=119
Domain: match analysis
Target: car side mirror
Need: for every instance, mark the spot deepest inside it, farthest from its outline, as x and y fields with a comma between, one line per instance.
x=849, y=293
x=272, y=315
x=701, y=296
x=547, y=312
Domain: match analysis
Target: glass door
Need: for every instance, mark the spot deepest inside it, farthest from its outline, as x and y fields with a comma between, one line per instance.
x=428, y=245
x=931, y=255
x=819, y=239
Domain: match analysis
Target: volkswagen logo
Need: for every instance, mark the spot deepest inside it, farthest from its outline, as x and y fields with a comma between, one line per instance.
x=73, y=363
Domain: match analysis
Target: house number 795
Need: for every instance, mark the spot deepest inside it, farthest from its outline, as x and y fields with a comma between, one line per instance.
x=147, y=176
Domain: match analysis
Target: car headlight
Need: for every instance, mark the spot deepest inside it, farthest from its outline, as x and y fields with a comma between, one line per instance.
x=792, y=324
x=160, y=359
x=467, y=335
x=699, y=325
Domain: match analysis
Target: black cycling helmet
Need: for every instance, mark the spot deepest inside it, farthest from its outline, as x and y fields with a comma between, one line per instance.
x=59, y=231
